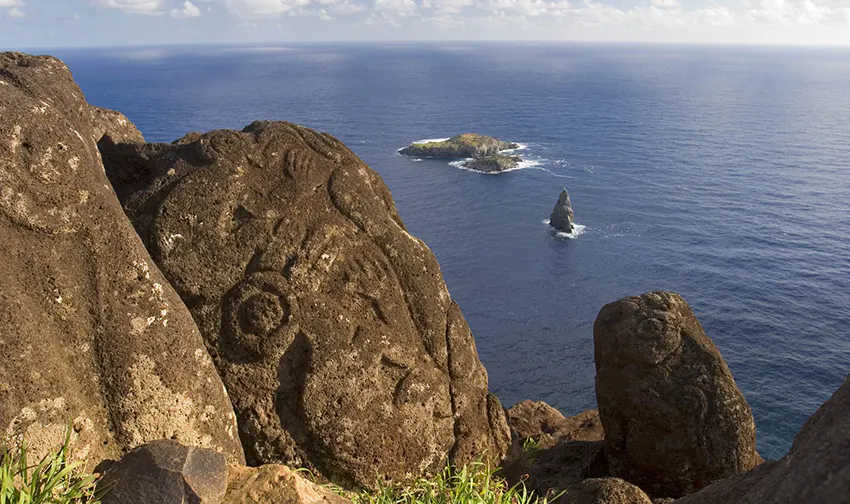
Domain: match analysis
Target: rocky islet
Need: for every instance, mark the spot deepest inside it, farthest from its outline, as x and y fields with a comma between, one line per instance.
x=479, y=152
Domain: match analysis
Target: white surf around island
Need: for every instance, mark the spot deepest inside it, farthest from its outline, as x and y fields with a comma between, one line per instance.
x=533, y=163
x=577, y=231
x=428, y=140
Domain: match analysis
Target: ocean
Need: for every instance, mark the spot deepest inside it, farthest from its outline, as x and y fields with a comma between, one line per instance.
x=721, y=173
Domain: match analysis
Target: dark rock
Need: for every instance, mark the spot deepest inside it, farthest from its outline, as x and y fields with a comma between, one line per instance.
x=547, y=426
x=275, y=484
x=562, y=215
x=465, y=145
x=566, y=450
x=674, y=419
x=166, y=472
x=330, y=324
x=90, y=330
x=604, y=491
x=493, y=164
x=816, y=469
x=568, y=463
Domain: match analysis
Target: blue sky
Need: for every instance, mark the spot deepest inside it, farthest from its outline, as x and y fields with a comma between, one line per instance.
x=63, y=23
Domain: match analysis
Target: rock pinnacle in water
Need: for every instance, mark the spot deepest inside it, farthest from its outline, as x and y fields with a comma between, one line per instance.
x=562, y=215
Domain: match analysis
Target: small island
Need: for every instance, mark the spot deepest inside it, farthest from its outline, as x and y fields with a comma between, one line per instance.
x=482, y=153
x=562, y=215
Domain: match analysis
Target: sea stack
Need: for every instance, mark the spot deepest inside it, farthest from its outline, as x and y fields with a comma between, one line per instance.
x=562, y=215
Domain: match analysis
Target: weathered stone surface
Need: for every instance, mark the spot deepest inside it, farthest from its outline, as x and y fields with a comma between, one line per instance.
x=816, y=469
x=166, y=472
x=604, y=491
x=329, y=323
x=674, y=419
x=465, y=145
x=90, y=331
x=562, y=215
x=114, y=125
x=275, y=484
x=547, y=426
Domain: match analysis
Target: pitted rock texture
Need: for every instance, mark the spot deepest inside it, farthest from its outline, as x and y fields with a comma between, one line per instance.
x=330, y=324
x=674, y=419
x=275, y=484
x=87, y=322
x=604, y=491
x=816, y=469
x=166, y=472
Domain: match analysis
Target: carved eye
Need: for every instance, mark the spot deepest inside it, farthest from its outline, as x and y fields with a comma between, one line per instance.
x=253, y=316
x=261, y=313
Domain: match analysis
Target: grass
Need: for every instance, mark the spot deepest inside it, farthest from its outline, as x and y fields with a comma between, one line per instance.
x=53, y=480
x=475, y=483
x=531, y=449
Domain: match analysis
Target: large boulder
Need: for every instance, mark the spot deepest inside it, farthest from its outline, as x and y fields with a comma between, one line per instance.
x=275, y=484
x=166, y=472
x=91, y=333
x=674, y=419
x=330, y=324
x=603, y=491
x=816, y=469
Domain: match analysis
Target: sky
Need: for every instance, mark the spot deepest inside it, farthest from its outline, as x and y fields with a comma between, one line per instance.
x=26, y=24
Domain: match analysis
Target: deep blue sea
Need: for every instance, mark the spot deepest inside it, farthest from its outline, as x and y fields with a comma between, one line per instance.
x=722, y=173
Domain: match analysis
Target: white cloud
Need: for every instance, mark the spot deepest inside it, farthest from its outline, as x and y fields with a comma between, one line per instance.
x=398, y=7
x=133, y=6
x=11, y=3
x=666, y=4
x=253, y=9
x=16, y=13
x=189, y=10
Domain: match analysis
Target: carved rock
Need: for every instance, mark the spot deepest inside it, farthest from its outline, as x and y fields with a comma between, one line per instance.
x=87, y=321
x=674, y=419
x=330, y=324
x=816, y=469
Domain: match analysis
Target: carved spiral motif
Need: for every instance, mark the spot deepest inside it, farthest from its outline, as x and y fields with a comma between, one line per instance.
x=255, y=316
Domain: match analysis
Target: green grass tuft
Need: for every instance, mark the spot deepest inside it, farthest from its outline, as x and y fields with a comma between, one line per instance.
x=53, y=480
x=475, y=483
x=531, y=450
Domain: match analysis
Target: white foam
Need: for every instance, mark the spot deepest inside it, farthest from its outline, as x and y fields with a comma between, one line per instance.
x=429, y=140
x=417, y=160
x=522, y=146
x=578, y=230
x=520, y=166
x=528, y=163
